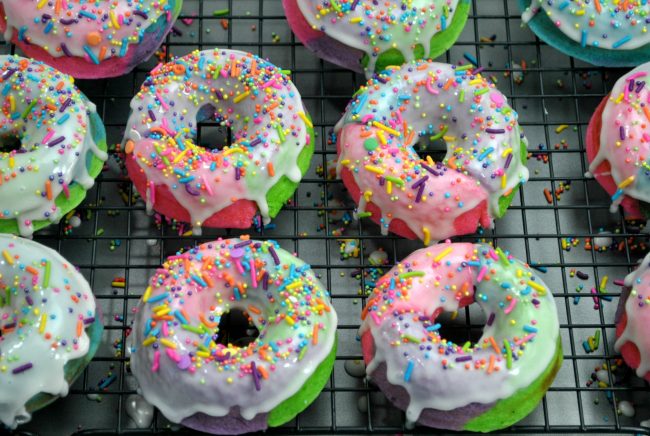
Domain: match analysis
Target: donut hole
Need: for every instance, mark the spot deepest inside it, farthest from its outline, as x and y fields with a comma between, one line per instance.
x=212, y=133
x=10, y=142
x=458, y=329
x=429, y=146
x=236, y=327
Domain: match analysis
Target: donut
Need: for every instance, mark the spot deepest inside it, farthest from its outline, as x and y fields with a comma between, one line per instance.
x=52, y=145
x=271, y=148
x=484, y=386
x=364, y=35
x=419, y=198
x=633, y=320
x=88, y=40
x=50, y=328
x=607, y=33
x=618, y=143
x=188, y=368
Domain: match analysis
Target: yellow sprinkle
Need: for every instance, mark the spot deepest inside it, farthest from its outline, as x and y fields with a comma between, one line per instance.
x=449, y=138
x=603, y=283
x=389, y=187
x=306, y=120
x=381, y=137
x=147, y=294
x=355, y=20
x=7, y=257
x=427, y=235
x=367, y=195
x=374, y=169
x=116, y=24
x=625, y=183
x=241, y=97
x=619, y=98
x=442, y=254
x=295, y=284
x=12, y=103
x=203, y=354
x=475, y=82
x=150, y=340
x=386, y=128
x=289, y=320
x=561, y=128
x=164, y=311
x=12, y=162
x=506, y=152
x=40, y=4
x=41, y=327
x=232, y=150
x=539, y=288
x=519, y=273
x=167, y=343
x=180, y=155
x=345, y=161
x=504, y=181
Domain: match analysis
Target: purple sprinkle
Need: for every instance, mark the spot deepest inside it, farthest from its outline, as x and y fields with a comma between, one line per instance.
x=141, y=14
x=152, y=115
x=190, y=190
x=29, y=300
x=478, y=71
x=243, y=243
x=22, y=368
x=255, y=142
x=382, y=181
x=418, y=197
x=581, y=275
x=256, y=377
x=7, y=74
x=639, y=87
x=508, y=160
x=490, y=319
x=64, y=49
x=495, y=131
x=56, y=141
x=89, y=320
x=276, y=259
x=354, y=4
x=176, y=31
x=265, y=281
x=66, y=22
x=621, y=133
x=535, y=301
x=428, y=168
x=463, y=358
x=219, y=94
x=420, y=182
x=237, y=173
x=222, y=358
x=619, y=282
x=65, y=105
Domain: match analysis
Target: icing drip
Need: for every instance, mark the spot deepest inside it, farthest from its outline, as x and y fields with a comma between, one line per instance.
x=95, y=31
x=607, y=24
x=518, y=341
x=178, y=359
x=45, y=306
x=624, y=138
x=637, y=309
x=50, y=117
x=427, y=100
x=375, y=27
x=241, y=91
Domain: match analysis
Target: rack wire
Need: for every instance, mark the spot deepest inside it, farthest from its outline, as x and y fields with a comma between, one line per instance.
x=554, y=95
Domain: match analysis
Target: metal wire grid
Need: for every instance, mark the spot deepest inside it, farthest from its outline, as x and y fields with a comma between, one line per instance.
x=556, y=92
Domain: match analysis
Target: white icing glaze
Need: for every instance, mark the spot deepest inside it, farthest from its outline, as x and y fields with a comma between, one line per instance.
x=428, y=99
x=183, y=371
x=637, y=308
x=401, y=318
x=92, y=30
x=365, y=24
x=232, y=85
x=604, y=23
x=624, y=138
x=51, y=118
x=40, y=324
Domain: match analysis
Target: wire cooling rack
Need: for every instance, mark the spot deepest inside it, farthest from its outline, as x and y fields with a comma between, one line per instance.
x=559, y=230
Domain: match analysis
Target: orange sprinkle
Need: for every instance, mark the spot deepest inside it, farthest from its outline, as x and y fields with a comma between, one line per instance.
x=491, y=364
x=102, y=52
x=549, y=197
x=129, y=146
x=74, y=298
x=494, y=345
x=322, y=303
x=254, y=309
x=207, y=323
x=80, y=328
x=48, y=189
x=262, y=370
x=31, y=270
x=599, y=8
x=270, y=169
x=314, y=338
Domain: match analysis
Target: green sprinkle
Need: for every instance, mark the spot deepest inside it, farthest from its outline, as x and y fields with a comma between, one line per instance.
x=100, y=232
x=503, y=257
x=280, y=131
x=364, y=215
x=46, y=275
x=461, y=96
x=439, y=134
x=302, y=353
x=406, y=275
x=596, y=339
x=220, y=12
x=467, y=346
x=395, y=180
x=481, y=91
x=191, y=328
x=412, y=339
x=217, y=71
x=508, y=354
x=28, y=109
x=286, y=72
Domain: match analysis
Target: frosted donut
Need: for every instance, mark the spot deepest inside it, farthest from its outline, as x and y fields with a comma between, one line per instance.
x=364, y=35
x=88, y=40
x=415, y=198
x=618, y=145
x=59, y=145
x=272, y=139
x=475, y=387
x=633, y=320
x=607, y=33
x=194, y=379
x=49, y=324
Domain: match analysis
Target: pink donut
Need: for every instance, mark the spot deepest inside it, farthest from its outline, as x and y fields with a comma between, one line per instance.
x=272, y=139
x=484, y=386
x=633, y=320
x=419, y=198
x=618, y=145
x=86, y=41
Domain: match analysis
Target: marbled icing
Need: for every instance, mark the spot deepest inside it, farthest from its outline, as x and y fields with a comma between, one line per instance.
x=45, y=308
x=518, y=341
x=50, y=117
x=183, y=369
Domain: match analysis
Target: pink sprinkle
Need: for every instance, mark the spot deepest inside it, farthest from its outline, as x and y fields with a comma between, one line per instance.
x=493, y=255
x=430, y=88
x=497, y=99
x=481, y=273
x=47, y=137
x=66, y=190
x=162, y=102
x=511, y=307
x=152, y=192
x=156, y=361
x=367, y=118
x=269, y=83
x=375, y=318
x=637, y=75
x=239, y=266
x=173, y=355
x=253, y=273
x=165, y=330
x=207, y=185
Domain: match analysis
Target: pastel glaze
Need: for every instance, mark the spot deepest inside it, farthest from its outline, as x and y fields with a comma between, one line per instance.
x=272, y=137
x=185, y=372
x=410, y=29
x=633, y=322
x=47, y=311
x=89, y=40
x=483, y=167
x=62, y=145
x=603, y=32
x=457, y=386
x=621, y=141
